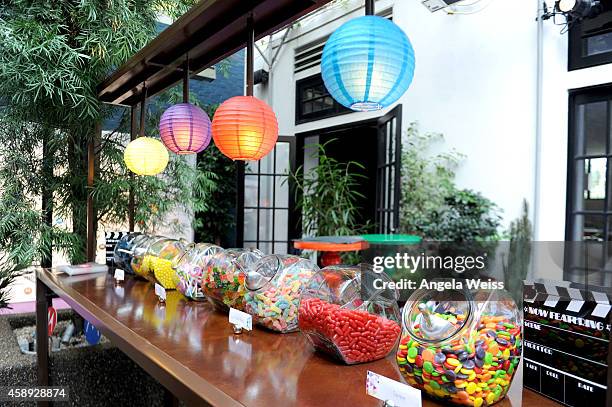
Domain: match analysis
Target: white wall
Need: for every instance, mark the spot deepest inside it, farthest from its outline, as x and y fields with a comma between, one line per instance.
x=475, y=82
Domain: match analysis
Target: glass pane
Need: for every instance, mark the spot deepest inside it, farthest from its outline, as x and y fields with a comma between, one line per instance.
x=265, y=191
x=250, y=245
x=595, y=128
x=280, y=248
x=267, y=163
x=588, y=229
x=265, y=224
x=250, y=224
x=282, y=157
x=250, y=190
x=265, y=247
x=598, y=44
x=590, y=184
x=251, y=167
x=282, y=192
x=307, y=108
x=281, y=224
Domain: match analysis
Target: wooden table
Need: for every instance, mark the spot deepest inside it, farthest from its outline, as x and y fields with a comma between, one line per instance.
x=191, y=350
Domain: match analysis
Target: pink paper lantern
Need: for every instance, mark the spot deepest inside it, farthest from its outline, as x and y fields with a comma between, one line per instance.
x=185, y=129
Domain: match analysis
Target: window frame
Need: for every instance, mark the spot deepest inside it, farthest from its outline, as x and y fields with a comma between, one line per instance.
x=300, y=116
x=575, y=60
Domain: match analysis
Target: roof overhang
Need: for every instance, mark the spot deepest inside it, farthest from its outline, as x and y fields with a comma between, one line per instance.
x=209, y=32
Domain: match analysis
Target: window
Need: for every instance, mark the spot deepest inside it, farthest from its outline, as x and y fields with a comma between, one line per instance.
x=590, y=41
x=589, y=197
x=269, y=222
x=313, y=101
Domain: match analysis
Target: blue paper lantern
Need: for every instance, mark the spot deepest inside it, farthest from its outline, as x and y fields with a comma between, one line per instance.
x=367, y=63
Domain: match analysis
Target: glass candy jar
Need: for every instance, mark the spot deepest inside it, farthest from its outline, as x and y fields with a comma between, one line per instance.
x=159, y=257
x=273, y=290
x=140, y=263
x=224, y=280
x=189, y=269
x=123, y=252
x=461, y=346
x=343, y=314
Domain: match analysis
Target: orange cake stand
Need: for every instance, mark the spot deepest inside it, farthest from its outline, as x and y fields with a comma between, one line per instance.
x=331, y=247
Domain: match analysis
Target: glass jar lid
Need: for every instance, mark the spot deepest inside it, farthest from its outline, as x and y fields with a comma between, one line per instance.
x=263, y=272
x=434, y=316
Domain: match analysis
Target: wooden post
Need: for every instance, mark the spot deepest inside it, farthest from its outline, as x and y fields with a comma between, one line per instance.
x=47, y=195
x=131, y=203
x=91, y=213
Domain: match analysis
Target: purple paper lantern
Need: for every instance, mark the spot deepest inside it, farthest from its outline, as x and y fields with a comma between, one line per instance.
x=185, y=129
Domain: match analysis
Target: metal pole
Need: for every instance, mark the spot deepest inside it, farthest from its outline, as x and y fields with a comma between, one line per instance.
x=369, y=7
x=249, y=55
x=143, y=109
x=43, y=301
x=131, y=203
x=186, y=80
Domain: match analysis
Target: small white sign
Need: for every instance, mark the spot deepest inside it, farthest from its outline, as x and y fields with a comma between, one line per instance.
x=119, y=275
x=391, y=391
x=160, y=292
x=240, y=319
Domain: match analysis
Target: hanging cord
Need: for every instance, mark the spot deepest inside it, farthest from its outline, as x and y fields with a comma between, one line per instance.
x=143, y=107
x=186, y=80
x=369, y=7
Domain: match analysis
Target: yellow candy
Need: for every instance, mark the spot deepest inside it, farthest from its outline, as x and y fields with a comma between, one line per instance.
x=478, y=401
x=453, y=362
x=506, y=354
x=471, y=388
x=490, y=398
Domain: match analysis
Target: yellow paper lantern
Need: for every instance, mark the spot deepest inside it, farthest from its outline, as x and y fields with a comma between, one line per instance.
x=146, y=156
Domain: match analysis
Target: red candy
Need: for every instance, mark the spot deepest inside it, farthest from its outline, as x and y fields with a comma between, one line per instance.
x=355, y=336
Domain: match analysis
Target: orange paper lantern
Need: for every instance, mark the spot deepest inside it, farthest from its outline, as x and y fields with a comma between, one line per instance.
x=245, y=128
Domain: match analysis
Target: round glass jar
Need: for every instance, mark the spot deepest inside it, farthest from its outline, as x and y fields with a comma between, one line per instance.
x=343, y=314
x=460, y=346
x=189, y=269
x=139, y=262
x=159, y=257
x=273, y=292
x=124, y=250
x=223, y=281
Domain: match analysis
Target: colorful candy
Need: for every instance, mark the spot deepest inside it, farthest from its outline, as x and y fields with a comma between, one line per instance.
x=224, y=279
x=274, y=289
x=354, y=336
x=473, y=368
x=189, y=270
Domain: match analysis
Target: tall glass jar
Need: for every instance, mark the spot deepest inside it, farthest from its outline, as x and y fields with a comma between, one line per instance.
x=273, y=292
x=140, y=263
x=344, y=312
x=189, y=269
x=124, y=250
x=461, y=346
x=159, y=257
x=223, y=281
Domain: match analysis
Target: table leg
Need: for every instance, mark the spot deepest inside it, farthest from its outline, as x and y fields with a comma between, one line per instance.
x=169, y=399
x=42, y=336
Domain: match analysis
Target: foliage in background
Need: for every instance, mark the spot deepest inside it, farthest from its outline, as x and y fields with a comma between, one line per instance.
x=215, y=213
x=516, y=265
x=431, y=205
x=326, y=195
x=52, y=56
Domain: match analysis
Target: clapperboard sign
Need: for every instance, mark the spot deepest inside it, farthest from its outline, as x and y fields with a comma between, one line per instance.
x=112, y=238
x=566, y=340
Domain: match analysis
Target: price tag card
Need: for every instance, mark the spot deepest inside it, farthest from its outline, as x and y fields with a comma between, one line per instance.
x=160, y=292
x=119, y=275
x=240, y=319
x=391, y=391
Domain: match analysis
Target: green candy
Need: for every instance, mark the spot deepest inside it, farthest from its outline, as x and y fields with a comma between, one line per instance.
x=428, y=367
x=500, y=373
x=412, y=353
x=488, y=358
x=511, y=369
x=434, y=385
